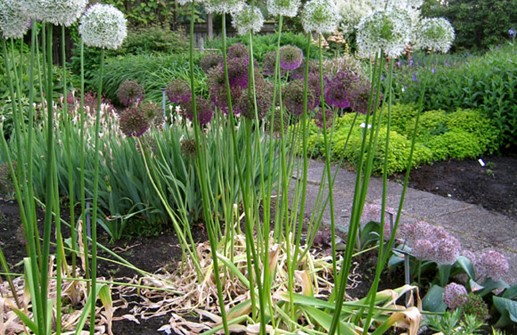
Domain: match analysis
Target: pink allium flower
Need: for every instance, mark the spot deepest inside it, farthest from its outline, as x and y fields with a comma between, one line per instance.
x=203, y=108
x=291, y=57
x=491, y=264
x=178, y=92
x=454, y=295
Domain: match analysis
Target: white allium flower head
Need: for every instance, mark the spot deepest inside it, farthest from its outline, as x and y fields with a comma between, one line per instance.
x=435, y=34
x=14, y=23
x=103, y=26
x=320, y=16
x=184, y=2
x=288, y=8
x=352, y=11
x=223, y=6
x=387, y=30
x=58, y=12
x=248, y=19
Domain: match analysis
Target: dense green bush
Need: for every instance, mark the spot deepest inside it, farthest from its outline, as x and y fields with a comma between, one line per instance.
x=487, y=83
x=440, y=135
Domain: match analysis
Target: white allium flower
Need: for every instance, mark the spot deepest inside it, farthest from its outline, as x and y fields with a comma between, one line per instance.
x=248, y=19
x=320, y=16
x=352, y=11
x=14, y=23
x=58, y=12
x=184, y=2
x=223, y=6
x=387, y=30
x=103, y=26
x=435, y=34
x=287, y=8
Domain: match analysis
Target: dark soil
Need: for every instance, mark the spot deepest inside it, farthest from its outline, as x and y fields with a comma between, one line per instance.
x=493, y=187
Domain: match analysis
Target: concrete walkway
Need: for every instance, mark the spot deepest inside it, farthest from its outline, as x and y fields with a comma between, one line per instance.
x=477, y=228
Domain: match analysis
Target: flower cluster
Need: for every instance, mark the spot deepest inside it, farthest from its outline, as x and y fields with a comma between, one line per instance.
x=203, y=109
x=491, y=264
x=291, y=57
x=435, y=34
x=248, y=20
x=430, y=243
x=223, y=6
x=383, y=30
x=288, y=8
x=245, y=104
x=178, y=92
x=58, y=12
x=133, y=122
x=103, y=26
x=210, y=60
x=130, y=92
x=293, y=95
x=238, y=50
x=14, y=23
x=152, y=112
x=320, y=16
x=268, y=64
x=455, y=295
x=337, y=89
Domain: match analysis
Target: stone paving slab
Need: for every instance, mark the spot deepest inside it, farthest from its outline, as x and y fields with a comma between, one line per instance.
x=478, y=229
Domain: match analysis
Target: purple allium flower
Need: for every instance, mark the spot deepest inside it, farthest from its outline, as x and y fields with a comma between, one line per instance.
x=455, y=295
x=491, y=264
x=152, y=111
x=204, y=111
x=133, y=122
x=299, y=73
x=268, y=64
x=238, y=72
x=430, y=243
x=359, y=96
x=210, y=60
x=130, y=92
x=337, y=89
x=329, y=116
x=178, y=92
x=293, y=95
x=238, y=50
x=217, y=88
x=291, y=57
x=264, y=97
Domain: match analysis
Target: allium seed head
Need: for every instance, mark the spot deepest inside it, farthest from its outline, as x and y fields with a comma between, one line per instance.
x=248, y=20
x=103, y=26
x=14, y=22
x=320, y=16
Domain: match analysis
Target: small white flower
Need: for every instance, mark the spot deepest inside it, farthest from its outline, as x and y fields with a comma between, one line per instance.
x=14, y=23
x=384, y=30
x=58, y=12
x=184, y=2
x=223, y=6
x=103, y=26
x=248, y=19
x=435, y=34
x=288, y=8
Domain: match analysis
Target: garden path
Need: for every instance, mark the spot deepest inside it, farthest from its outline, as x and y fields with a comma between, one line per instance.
x=477, y=228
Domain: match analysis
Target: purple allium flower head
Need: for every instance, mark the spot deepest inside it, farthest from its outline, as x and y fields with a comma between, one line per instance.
x=423, y=249
x=329, y=116
x=178, y=92
x=359, y=96
x=217, y=88
x=268, y=64
x=299, y=73
x=447, y=250
x=491, y=264
x=210, y=60
x=130, y=92
x=454, y=295
x=293, y=94
x=264, y=98
x=238, y=50
x=337, y=89
x=133, y=122
x=203, y=108
x=152, y=111
x=291, y=57
x=238, y=72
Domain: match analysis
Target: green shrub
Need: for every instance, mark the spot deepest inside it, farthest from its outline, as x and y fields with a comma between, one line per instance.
x=487, y=83
x=454, y=144
x=431, y=124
